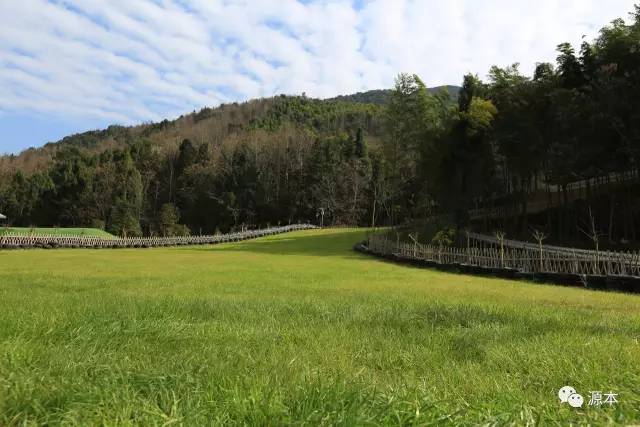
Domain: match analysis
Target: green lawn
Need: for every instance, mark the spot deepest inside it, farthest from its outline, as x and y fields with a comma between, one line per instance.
x=25, y=231
x=299, y=329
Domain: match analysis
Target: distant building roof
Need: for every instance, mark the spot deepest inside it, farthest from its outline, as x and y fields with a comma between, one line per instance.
x=2, y=216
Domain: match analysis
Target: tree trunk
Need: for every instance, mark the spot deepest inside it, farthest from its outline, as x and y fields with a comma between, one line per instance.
x=373, y=210
x=612, y=201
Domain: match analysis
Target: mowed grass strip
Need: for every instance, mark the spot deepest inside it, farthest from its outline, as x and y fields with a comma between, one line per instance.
x=300, y=329
x=52, y=231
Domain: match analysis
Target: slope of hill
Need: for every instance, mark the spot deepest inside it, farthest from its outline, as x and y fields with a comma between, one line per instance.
x=62, y=232
x=242, y=163
x=279, y=114
x=321, y=116
x=259, y=162
x=276, y=114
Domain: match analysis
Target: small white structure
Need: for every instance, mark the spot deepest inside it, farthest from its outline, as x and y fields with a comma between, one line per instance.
x=2, y=217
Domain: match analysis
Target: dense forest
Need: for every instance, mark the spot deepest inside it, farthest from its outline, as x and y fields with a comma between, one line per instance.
x=558, y=150
x=382, y=96
x=266, y=161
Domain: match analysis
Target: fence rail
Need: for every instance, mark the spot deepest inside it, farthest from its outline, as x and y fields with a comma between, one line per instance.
x=50, y=241
x=520, y=256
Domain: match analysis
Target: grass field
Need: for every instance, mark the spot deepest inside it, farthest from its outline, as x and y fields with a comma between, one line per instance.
x=299, y=329
x=25, y=231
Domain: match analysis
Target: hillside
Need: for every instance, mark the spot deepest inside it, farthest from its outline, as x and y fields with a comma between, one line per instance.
x=272, y=114
x=277, y=115
x=236, y=164
x=62, y=232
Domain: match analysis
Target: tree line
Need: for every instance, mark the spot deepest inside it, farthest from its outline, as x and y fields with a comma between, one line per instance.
x=512, y=139
x=299, y=156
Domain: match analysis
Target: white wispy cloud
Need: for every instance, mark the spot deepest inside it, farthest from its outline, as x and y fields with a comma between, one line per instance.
x=128, y=61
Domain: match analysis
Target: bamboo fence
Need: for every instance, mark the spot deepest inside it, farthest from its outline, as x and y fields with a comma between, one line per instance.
x=490, y=253
x=51, y=241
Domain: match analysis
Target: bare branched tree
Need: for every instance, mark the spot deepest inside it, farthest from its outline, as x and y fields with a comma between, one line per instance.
x=594, y=235
x=500, y=235
x=540, y=237
x=414, y=238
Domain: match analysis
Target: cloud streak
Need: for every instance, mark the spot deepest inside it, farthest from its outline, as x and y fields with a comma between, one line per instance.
x=119, y=61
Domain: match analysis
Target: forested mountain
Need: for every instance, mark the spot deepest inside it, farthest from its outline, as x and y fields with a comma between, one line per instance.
x=238, y=164
x=209, y=123
x=566, y=139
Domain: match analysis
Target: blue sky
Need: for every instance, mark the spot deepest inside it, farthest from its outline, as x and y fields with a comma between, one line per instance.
x=67, y=66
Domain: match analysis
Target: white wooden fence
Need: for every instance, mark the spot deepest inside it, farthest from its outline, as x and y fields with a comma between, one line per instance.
x=520, y=256
x=51, y=241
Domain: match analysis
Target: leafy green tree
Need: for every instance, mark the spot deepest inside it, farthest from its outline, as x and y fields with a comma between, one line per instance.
x=125, y=214
x=169, y=222
x=413, y=118
x=124, y=221
x=168, y=219
x=465, y=160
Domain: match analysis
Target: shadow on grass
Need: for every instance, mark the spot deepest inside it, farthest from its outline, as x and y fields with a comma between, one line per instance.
x=336, y=243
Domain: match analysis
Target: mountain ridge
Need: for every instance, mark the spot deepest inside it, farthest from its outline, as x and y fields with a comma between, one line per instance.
x=344, y=112
x=381, y=96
